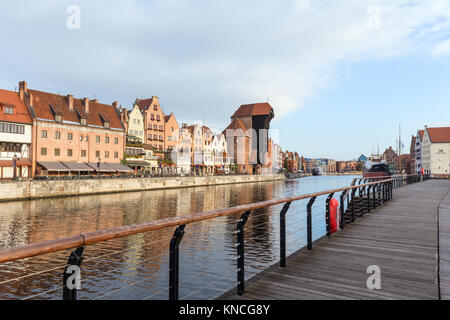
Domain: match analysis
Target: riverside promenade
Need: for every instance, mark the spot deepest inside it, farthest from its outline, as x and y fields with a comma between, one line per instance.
x=408, y=239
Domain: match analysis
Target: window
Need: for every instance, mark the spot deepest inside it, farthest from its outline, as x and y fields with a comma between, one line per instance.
x=12, y=128
x=106, y=154
x=43, y=151
x=158, y=117
x=57, y=135
x=134, y=121
x=155, y=127
x=172, y=129
x=44, y=134
x=83, y=153
x=8, y=110
x=97, y=138
x=161, y=128
x=152, y=117
x=69, y=136
x=57, y=151
x=69, y=152
x=116, y=140
x=97, y=154
x=81, y=138
x=116, y=154
x=155, y=107
x=86, y=138
x=139, y=121
x=83, y=122
x=155, y=136
x=106, y=139
x=58, y=118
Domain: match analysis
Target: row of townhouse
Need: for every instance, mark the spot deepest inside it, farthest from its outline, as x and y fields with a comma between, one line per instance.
x=156, y=142
x=430, y=152
x=42, y=133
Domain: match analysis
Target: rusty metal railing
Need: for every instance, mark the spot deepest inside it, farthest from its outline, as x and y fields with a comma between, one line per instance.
x=376, y=190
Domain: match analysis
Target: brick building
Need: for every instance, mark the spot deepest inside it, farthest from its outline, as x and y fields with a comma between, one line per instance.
x=154, y=123
x=73, y=135
x=249, y=123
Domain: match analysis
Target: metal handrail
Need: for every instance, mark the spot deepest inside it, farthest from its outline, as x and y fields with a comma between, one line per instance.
x=31, y=250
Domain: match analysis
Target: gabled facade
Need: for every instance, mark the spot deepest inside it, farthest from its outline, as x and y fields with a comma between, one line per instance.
x=171, y=132
x=418, y=162
x=154, y=123
x=15, y=137
x=136, y=123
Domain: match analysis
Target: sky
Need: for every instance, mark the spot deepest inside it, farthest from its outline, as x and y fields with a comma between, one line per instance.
x=340, y=75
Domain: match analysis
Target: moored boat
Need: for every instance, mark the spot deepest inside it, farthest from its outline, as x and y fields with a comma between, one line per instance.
x=377, y=170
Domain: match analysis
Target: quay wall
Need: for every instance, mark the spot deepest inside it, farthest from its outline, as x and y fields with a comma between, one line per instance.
x=37, y=189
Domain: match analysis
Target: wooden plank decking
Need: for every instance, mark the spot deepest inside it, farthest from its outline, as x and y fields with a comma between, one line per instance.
x=444, y=247
x=400, y=237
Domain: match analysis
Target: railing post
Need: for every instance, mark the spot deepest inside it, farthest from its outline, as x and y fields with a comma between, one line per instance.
x=309, y=223
x=240, y=253
x=353, y=204
x=174, y=262
x=368, y=198
x=71, y=276
x=341, y=210
x=361, y=210
x=327, y=214
x=283, y=234
x=375, y=186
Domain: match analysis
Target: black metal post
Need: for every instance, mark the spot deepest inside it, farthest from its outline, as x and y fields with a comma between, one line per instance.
x=70, y=276
x=240, y=253
x=341, y=210
x=375, y=186
x=283, y=234
x=174, y=262
x=361, y=210
x=309, y=222
x=368, y=198
x=327, y=214
x=353, y=204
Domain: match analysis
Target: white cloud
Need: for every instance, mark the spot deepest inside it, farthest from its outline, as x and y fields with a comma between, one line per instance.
x=442, y=48
x=205, y=58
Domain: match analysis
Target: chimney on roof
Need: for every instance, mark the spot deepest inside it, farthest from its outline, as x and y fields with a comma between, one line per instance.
x=115, y=104
x=86, y=105
x=22, y=89
x=30, y=97
x=70, y=101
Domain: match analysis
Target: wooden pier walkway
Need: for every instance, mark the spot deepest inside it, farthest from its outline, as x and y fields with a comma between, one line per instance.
x=401, y=238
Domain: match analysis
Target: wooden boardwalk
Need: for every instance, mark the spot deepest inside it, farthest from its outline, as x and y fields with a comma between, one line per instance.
x=444, y=246
x=401, y=238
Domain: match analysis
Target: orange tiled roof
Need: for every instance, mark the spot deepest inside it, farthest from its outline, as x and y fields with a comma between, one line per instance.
x=11, y=98
x=43, y=102
x=255, y=109
x=439, y=135
x=144, y=104
x=235, y=125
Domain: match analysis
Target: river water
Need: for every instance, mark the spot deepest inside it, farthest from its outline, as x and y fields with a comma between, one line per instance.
x=136, y=267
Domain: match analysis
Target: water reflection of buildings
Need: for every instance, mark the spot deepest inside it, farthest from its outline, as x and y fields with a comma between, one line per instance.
x=40, y=220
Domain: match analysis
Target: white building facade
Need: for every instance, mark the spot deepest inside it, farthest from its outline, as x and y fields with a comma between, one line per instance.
x=15, y=137
x=436, y=151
